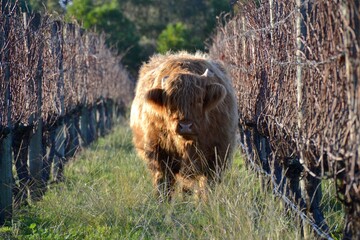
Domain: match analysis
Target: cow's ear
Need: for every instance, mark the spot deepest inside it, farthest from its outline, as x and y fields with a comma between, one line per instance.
x=215, y=93
x=155, y=97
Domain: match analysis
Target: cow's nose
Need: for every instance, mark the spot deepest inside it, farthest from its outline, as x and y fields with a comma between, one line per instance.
x=185, y=127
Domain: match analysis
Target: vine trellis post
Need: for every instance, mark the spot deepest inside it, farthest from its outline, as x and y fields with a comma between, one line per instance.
x=6, y=178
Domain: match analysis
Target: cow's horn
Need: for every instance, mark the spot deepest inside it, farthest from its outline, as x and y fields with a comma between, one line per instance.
x=163, y=81
x=208, y=73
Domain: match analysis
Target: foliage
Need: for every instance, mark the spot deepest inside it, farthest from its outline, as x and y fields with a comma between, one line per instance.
x=174, y=37
x=108, y=195
x=46, y=5
x=107, y=18
x=153, y=17
x=79, y=10
x=138, y=28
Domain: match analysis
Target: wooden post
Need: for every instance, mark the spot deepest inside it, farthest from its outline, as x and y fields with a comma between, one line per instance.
x=6, y=177
x=273, y=6
x=73, y=138
x=81, y=68
x=57, y=50
x=91, y=65
x=109, y=112
x=260, y=157
x=310, y=185
x=76, y=124
x=84, y=126
x=272, y=22
x=101, y=124
x=48, y=158
x=59, y=157
x=92, y=123
x=248, y=145
x=35, y=142
x=300, y=36
x=70, y=37
x=120, y=109
x=35, y=160
x=84, y=64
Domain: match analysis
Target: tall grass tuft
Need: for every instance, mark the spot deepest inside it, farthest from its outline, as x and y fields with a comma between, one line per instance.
x=108, y=195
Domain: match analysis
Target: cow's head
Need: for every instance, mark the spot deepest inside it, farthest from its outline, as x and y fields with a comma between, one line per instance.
x=184, y=101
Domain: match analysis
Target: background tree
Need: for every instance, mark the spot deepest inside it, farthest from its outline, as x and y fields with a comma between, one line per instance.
x=107, y=18
x=154, y=17
x=174, y=37
x=47, y=5
x=139, y=28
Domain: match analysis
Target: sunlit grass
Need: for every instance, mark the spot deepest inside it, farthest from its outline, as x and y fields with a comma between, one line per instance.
x=108, y=195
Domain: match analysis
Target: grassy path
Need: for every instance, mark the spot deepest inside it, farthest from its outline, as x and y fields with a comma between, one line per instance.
x=108, y=195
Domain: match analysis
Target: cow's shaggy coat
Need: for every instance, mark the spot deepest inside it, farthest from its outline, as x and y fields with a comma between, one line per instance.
x=184, y=119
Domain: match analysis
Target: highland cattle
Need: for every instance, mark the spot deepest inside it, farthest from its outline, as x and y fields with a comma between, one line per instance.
x=184, y=121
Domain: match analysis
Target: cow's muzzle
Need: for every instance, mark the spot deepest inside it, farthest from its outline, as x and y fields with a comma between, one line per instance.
x=185, y=128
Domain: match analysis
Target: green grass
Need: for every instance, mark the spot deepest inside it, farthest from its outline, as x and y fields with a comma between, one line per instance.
x=108, y=195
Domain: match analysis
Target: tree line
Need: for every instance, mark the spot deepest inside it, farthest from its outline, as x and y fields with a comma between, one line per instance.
x=137, y=29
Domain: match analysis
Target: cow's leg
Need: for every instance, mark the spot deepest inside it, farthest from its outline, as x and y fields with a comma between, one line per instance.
x=163, y=181
x=157, y=176
x=168, y=185
x=186, y=184
x=164, y=184
x=196, y=186
x=201, y=190
x=163, y=169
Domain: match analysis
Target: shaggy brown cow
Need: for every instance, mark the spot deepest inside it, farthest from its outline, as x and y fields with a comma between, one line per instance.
x=184, y=119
